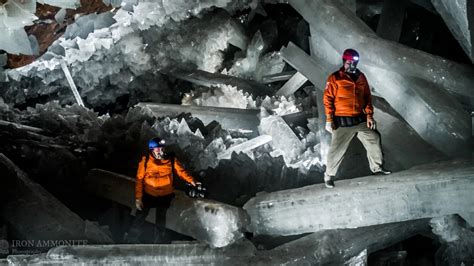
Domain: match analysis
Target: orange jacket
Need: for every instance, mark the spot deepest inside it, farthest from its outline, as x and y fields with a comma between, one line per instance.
x=344, y=97
x=157, y=178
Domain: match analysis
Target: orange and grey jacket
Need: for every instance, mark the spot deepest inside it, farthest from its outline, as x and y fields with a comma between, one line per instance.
x=157, y=178
x=344, y=97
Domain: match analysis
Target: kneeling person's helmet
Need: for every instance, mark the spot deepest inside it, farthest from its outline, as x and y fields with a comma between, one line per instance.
x=156, y=147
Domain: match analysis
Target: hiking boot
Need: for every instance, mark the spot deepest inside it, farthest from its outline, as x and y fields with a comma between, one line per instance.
x=382, y=172
x=329, y=183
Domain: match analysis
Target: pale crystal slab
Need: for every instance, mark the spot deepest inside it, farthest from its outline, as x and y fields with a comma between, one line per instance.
x=73, y=4
x=72, y=85
x=208, y=79
x=338, y=247
x=283, y=137
x=229, y=118
x=171, y=254
x=208, y=221
x=292, y=85
x=283, y=76
x=421, y=192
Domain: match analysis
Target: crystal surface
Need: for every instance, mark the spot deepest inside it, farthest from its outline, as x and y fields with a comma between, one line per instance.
x=283, y=137
x=245, y=146
x=208, y=221
x=230, y=118
x=420, y=192
x=174, y=254
x=292, y=85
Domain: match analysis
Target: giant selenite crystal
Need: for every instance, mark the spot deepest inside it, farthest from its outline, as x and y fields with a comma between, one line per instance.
x=172, y=254
x=211, y=222
x=229, y=118
x=245, y=146
x=283, y=137
x=122, y=58
x=411, y=81
x=14, y=15
x=421, y=192
x=33, y=213
x=333, y=247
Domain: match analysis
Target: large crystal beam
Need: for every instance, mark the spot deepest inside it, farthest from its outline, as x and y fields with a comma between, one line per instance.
x=73, y=4
x=51, y=219
x=333, y=247
x=20, y=126
x=348, y=30
x=401, y=144
x=283, y=76
x=283, y=137
x=170, y=254
x=229, y=118
x=460, y=21
x=426, y=191
x=398, y=154
x=434, y=115
x=391, y=19
x=292, y=85
x=208, y=79
x=245, y=147
x=305, y=64
x=77, y=96
x=211, y=222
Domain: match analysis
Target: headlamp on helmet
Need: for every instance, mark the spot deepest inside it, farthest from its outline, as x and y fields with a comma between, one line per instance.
x=156, y=143
x=350, y=54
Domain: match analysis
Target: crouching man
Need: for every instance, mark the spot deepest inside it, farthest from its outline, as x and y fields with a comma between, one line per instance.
x=154, y=186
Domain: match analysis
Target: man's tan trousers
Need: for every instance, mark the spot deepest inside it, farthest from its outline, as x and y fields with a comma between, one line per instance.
x=341, y=138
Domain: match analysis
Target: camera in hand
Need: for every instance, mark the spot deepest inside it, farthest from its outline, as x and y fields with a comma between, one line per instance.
x=198, y=191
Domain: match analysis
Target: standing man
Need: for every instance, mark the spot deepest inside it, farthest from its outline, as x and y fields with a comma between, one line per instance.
x=349, y=113
x=154, y=185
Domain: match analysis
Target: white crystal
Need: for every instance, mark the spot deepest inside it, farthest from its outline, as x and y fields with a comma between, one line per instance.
x=420, y=192
x=245, y=146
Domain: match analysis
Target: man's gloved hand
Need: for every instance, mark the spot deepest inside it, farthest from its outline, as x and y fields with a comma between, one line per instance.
x=139, y=204
x=329, y=127
x=197, y=191
x=371, y=123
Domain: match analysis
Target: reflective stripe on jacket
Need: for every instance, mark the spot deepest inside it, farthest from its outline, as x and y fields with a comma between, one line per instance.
x=344, y=97
x=157, y=178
